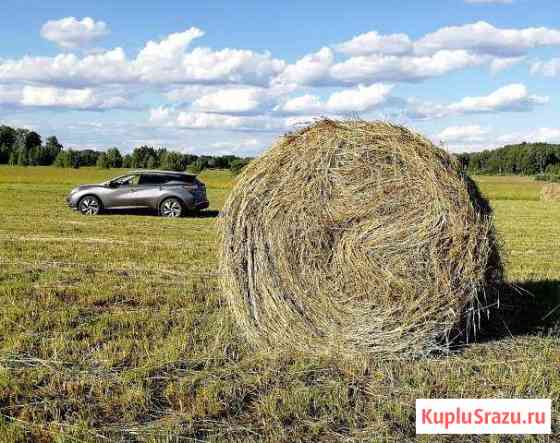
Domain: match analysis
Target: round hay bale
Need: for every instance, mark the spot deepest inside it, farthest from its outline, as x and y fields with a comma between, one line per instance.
x=362, y=236
x=550, y=192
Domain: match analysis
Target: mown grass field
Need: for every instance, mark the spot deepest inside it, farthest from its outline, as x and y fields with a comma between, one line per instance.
x=112, y=328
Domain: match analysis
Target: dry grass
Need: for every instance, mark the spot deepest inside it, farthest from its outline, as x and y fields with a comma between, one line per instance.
x=133, y=343
x=359, y=237
x=550, y=192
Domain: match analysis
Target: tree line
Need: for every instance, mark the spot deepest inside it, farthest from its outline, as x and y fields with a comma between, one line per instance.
x=519, y=159
x=23, y=147
x=147, y=157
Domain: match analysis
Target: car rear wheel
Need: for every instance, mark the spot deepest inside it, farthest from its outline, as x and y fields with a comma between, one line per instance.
x=171, y=207
x=89, y=205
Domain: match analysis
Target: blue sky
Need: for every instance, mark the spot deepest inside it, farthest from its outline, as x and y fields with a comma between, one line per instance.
x=221, y=77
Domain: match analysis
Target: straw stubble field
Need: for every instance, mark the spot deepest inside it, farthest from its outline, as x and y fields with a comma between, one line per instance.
x=113, y=327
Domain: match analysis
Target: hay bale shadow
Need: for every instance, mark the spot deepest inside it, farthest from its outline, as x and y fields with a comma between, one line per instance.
x=524, y=308
x=208, y=213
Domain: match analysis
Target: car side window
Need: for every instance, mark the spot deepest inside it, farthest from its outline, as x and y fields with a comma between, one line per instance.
x=152, y=179
x=128, y=180
x=122, y=180
x=180, y=178
x=161, y=179
x=172, y=178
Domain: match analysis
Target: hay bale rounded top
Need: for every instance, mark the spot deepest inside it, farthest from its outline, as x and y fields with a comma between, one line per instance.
x=357, y=235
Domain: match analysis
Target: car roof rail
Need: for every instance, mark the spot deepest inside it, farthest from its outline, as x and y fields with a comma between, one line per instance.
x=157, y=171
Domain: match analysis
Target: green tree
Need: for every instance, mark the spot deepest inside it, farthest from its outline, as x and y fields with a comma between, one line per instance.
x=32, y=140
x=60, y=159
x=13, y=158
x=189, y=158
x=140, y=156
x=5, y=152
x=7, y=136
x=524, y=158
x=103, y=161
x=160, y=153
x=152, y=163
x=51, y=150
x=127, y=161
x=69, y=159
x=196, y=167
x=86, y=157
x=114, y=158
x=173, y=161
x=76, y=158
x=22, y=157
x=34, y=155
x=21, y=135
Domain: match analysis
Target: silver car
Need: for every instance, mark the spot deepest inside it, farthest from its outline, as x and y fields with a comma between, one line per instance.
x=170, y=193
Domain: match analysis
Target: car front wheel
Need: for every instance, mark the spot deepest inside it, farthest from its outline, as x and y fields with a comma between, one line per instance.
x=89, y=205
x=171, y=207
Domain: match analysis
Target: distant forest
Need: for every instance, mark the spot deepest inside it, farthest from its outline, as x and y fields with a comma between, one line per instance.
x=23, y=147
x=522, y=159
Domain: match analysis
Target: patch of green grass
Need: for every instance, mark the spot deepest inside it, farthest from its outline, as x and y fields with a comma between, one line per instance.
x=509, y=187
x=114, y=327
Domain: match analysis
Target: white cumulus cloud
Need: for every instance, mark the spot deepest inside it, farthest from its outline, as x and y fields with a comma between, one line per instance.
x=320, y=68
x=547, y=135
x=172, y=118
x=232, y=100
x=188, y=93
x=70, y=70
x=375, y=43
x=549, y=68
x=465, y=134
x=191, y=86
x=71, y=33
x=484, y=38
x=65, y=98
x=168, y=50
x=203, y=65
x=305, y=104
x=52, y=97
x=514, y=97
x=308, y=70
x=408, y=68
x=360, y=99
x=162, y=63
x=500, y=64
x=168, y=117
x=9, y=95
x=510, y=98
